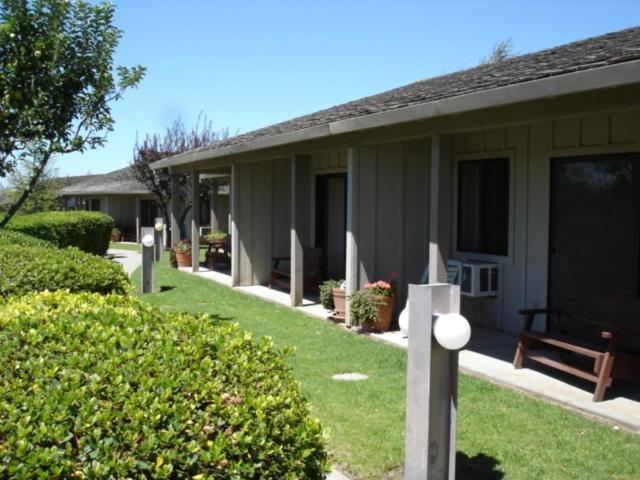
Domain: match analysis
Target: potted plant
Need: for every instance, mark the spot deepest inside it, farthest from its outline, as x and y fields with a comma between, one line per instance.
x=372, y=307
x=116, y=235
x=332, y=298
x=182, y=253
x=217, y=239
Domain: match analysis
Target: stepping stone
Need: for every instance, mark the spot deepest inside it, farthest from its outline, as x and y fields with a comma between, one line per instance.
x=350, y=377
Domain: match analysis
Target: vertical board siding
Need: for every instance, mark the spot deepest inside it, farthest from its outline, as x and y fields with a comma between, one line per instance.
x=416, y=205
x=566, y=133
x=393, y=207
x=367, y=205
x=261, y=221
x=281, y=208
x=594, y=130
x=625, y=127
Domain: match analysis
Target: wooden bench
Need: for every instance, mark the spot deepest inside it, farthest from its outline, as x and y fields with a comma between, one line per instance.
x=608, y=361
x=312, y=267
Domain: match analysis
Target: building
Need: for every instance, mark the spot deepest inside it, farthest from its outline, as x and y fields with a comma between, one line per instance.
x=118, y=194
x=531, y=165
x=131, y=204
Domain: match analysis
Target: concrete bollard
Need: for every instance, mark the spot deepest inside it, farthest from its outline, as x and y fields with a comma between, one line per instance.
x=147, y=263
x=438, y=331
x=158, y=234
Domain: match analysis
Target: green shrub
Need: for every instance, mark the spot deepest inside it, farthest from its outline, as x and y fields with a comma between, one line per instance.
x=364, y=306
x=89, y=231
x=28, y=264
x=106, y=386
x=326, y=294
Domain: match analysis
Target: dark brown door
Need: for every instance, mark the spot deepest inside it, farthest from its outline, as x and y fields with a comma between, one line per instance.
x=595, y=236
x=331, y=222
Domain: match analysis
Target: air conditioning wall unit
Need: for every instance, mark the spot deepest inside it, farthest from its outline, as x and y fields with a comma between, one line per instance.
x=479, y=279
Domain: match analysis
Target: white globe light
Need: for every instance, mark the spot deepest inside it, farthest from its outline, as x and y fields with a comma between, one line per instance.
x=147, y=241
x=451, y=330
x=403, y=320
x=159, y=227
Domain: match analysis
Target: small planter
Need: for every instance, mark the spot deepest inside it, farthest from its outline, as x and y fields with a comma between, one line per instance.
x=116, y=237
x=182, y=258
x=339, y=298
x=218, y=243
x=385, y=313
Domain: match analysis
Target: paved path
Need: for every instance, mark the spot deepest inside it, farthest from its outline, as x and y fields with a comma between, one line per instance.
x=129, y=259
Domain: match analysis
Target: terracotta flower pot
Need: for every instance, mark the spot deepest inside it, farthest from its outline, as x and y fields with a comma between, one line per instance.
x=183, y=258
x=385, y=312
x=339, y=302
x=116, y=237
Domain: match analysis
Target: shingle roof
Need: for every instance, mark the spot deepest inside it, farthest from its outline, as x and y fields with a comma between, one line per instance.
x=118, y=182
x=74, y=180
x=618, y=47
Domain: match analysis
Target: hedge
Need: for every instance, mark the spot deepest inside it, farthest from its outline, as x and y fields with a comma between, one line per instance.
x=89, y=231
x=106, y=386
x=28, y=264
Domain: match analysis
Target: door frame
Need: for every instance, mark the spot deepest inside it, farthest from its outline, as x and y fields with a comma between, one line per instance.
x=568, y=154
x=338, y=172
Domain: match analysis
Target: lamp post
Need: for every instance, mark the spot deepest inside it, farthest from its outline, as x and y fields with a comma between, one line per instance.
x=438, y=331
x=158, y=238
x=147, y=263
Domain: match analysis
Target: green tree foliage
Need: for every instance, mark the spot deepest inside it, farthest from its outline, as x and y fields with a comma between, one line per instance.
x=43, y=197
x=501, y=51
x=175, y=140
x=57, y=82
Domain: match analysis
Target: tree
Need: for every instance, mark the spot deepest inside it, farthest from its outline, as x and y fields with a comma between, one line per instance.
x=176, y=139
x=501, y=51
x=43, y=197
x=56, y=82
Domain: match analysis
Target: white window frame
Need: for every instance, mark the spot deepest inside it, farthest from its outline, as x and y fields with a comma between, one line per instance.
x=485, y=257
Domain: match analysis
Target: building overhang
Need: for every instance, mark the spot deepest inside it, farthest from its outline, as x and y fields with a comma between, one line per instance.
x=84, y=193
x=611, y=76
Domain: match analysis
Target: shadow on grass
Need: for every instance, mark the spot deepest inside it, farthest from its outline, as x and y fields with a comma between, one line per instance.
x=166, y=288
x=479, y=467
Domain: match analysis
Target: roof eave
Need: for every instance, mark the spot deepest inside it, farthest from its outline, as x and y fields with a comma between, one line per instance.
x=66, y=193
x=603, y=77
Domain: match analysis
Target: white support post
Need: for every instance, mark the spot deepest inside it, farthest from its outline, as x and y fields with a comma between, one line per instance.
x=351, y=268
x=138, y=226
x=175, y=208
x=297, y=221
x=233, y=219
x=432, y=375
x=440, y=211
x=195, y=220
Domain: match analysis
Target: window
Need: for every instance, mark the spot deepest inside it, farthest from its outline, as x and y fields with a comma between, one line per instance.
x=483, y=206
x=95, y=205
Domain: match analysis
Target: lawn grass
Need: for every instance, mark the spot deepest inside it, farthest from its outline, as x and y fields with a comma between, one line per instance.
x=125, y=246
x=501, y=433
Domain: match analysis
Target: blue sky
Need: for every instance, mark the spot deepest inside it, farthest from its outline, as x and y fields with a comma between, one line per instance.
x=248, y=64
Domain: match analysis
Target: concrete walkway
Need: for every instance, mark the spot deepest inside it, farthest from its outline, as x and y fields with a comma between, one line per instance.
x=129, y=259
x=489, y=356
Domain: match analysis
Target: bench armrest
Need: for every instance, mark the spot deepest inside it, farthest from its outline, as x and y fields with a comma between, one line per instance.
x=276, y=261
